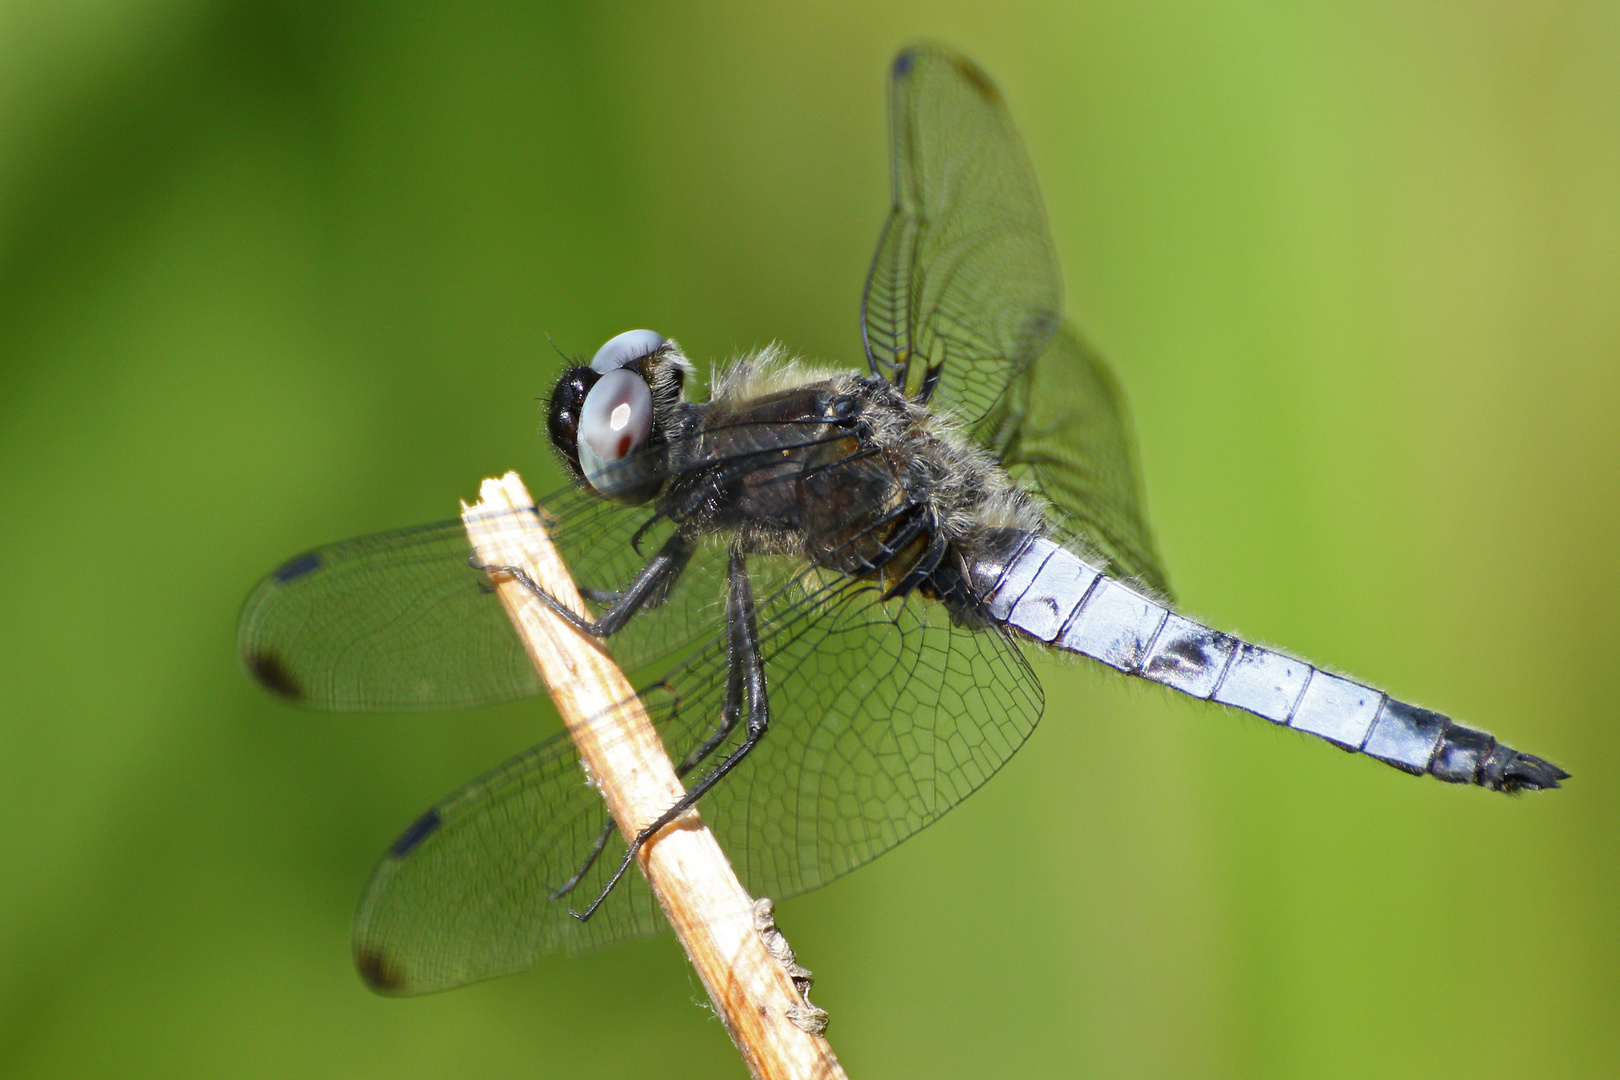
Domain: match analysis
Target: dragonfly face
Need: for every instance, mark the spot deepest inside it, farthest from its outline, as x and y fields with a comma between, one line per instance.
x=828, y=579
x=609, y=420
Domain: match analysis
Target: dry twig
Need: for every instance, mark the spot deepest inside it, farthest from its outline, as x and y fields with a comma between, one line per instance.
x=712, y=915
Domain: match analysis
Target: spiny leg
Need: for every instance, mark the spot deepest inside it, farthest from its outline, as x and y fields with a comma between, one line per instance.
x=730, y=711
x=729, y=715
x=590, y=860
x=746, y=676
x=650, y=585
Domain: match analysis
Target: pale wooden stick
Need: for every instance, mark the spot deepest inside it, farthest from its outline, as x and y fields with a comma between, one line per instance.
x=711, y=913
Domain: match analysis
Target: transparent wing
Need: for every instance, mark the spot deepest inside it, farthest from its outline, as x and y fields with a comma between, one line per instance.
x=466, y=893
x=883, y=717
x=1063, y=429
x=389, y=622
x=964, y=290
x=402, y=621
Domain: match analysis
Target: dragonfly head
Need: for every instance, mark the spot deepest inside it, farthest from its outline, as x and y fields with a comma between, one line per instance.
x=609, y=419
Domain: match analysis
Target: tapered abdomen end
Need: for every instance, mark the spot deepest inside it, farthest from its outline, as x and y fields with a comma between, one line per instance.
x=1034, y=585
x=1528, y=773
x=1466, y=756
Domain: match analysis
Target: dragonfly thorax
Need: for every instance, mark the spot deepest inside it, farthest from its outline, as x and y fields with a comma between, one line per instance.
x=842, y=471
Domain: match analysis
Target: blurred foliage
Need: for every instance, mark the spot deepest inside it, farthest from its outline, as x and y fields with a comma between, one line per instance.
x=272, y=273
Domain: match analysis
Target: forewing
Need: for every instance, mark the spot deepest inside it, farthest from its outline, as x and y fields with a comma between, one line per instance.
x=965, y=288
x=1064, y=429
x=402, y=621
x=395, y=621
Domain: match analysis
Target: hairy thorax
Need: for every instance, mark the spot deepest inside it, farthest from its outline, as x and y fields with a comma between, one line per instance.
x=839, y=470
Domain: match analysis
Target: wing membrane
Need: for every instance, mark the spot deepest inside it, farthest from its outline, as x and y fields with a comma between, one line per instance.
x=884, y=716
x=465, y=894
x=401, y=621
x=390, y=622
x=964, y=290
x=1063, y=429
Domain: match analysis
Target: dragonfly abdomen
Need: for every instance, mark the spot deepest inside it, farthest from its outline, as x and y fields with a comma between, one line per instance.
x=1052, y=595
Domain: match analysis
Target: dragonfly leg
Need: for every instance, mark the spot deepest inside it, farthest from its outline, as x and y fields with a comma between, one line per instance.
x=729, y=715
x=745, y=679
x=652, y=583
x=590, y=860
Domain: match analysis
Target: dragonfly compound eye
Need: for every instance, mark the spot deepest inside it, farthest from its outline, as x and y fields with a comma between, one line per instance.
x=626, y=348
x=615, y=422
x=562, y=421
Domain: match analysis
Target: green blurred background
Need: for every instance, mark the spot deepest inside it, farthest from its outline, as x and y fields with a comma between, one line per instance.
x=272, y=274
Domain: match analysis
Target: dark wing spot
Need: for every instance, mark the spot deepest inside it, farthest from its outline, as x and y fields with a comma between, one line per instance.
x=903, y=63
x=422, y=828
x=295, y=568
x=273, y=675
x=975, y=75
x=378, y=971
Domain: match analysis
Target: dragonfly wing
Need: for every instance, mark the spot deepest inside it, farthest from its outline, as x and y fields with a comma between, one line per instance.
x=605, y=544
x=1063, y=430
x=466, y=892
x=964, y=290
x=402, y=621
x=390, y=622
x=883, y=716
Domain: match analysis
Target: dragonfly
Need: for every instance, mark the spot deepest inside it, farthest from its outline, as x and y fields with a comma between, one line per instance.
x=828, y=584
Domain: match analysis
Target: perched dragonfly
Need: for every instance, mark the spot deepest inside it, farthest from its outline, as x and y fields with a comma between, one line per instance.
x=834, y=577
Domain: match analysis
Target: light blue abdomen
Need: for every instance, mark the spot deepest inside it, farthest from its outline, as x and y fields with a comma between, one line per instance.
x=1050, y=594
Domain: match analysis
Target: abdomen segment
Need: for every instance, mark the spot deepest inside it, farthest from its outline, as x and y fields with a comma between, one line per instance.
x=1048, y=593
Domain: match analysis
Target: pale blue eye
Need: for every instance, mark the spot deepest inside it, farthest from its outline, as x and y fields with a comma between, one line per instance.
x=626, y=348
x=614, y=423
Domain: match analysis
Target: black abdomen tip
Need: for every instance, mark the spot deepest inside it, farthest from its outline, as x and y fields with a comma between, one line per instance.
x=1466, y=756
x=1522, y=772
